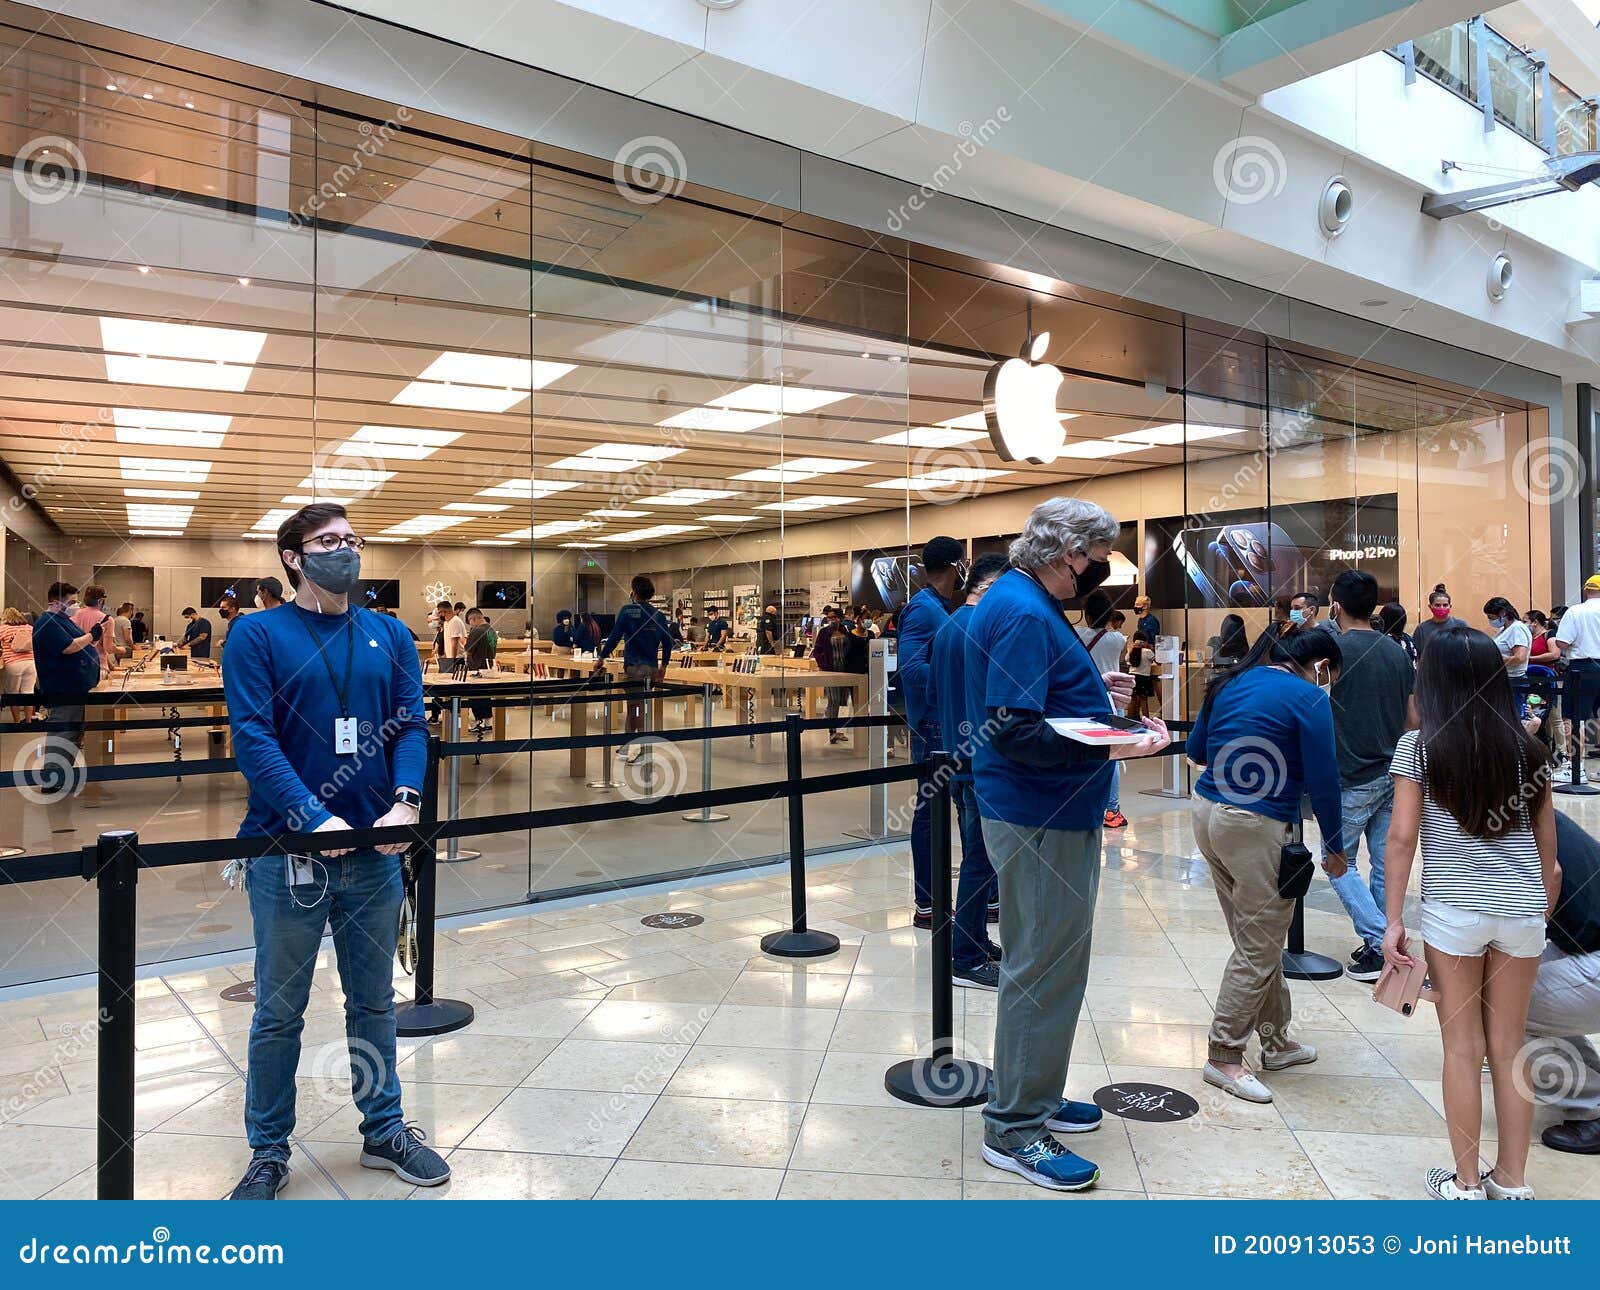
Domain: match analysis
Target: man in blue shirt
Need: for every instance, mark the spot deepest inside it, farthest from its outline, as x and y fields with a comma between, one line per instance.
x=68, y=666
x=718, y=631
x=325, y=704
x=944, y=562
x=562, y=637
x=646, y=641
x=197, y=635
x=974, y=960
x=1042, y=797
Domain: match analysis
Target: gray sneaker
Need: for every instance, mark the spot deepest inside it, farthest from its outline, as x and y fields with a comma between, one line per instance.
x=986, y=976
x=263, y=1180
x=405, y=1154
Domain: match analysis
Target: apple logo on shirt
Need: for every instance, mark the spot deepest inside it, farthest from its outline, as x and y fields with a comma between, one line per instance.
x=1019, y=405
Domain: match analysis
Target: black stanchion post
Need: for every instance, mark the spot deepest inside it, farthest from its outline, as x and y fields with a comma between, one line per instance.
x=116, y=873
x=941, y=1079
x=1299, y=963
x=798, y=942
x=425, y=1015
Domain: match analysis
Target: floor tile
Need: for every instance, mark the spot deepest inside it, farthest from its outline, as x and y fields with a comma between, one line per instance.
x=608, y=1065
x=463, y=1057
x=849, y=1139
x=661, y=1023
x=740, y=1026
x=447, y=1113
x=654, y=1180
x=722, y=1131
x=516, y=1175
x=1268, y=1164
x=561, y=1122
x=777, y=1075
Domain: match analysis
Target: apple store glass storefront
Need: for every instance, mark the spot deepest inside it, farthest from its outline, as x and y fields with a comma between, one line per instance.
x=530, y=380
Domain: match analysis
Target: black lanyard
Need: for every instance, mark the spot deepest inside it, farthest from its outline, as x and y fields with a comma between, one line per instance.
x=342, y=691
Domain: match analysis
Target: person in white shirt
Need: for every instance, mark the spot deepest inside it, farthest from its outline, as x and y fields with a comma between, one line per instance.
x=1578, y=639
x=1511, y=635
x=453, y=629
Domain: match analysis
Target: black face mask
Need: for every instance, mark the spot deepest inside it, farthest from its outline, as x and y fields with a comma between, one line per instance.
x=1097, y=572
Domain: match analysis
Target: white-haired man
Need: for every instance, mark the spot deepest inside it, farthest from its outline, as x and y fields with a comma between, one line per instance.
x=1042, y=798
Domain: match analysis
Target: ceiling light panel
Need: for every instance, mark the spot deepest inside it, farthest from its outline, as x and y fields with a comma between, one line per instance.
x=617, y=515
x=554, y=528
x=465, y=382
x=1093, y=448
x=164, y=469
x=153, y=427
x=150, y=516
x=525, y=489
x=486, y=508
x=405, y=443
x=654, y=531
x=344, y=480
x=688, y=497
x=1174, y=435
x=269, y=522
x=948, y=477
x=931, y=437
x=800, y=468
x=423, y=525
x=174, y=494
x=719, y=420
x=180, y=355
x=807, y=504
x=727, y=519
x=789, y=400
x=614, y=457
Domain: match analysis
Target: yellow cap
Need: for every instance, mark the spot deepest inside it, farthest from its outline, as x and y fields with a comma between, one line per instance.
x=1593, y=584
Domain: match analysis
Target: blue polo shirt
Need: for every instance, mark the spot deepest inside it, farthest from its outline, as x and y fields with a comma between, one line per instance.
x=1022, y=654
x=947, y=684
x=919, y=622
x=646, y=638
x=60, y=673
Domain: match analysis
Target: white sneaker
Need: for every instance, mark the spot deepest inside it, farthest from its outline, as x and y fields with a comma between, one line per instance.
x=1245, y=1087
x=1442, y=1185
x=1299, y=1055
x=1496, y=1192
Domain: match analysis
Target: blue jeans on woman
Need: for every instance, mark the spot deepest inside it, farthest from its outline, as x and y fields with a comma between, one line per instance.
x=976, y=886
x=359, y=896
x=1367, y=808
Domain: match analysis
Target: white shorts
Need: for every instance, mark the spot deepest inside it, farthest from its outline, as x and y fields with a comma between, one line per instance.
x=1469, y=934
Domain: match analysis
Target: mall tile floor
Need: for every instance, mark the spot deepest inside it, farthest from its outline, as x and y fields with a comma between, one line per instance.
x=612, y=1060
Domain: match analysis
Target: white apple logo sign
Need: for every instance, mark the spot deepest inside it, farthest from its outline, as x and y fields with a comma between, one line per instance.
x=1019, y=405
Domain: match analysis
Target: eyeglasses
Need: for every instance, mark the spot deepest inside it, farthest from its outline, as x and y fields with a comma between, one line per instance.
x=333, y=541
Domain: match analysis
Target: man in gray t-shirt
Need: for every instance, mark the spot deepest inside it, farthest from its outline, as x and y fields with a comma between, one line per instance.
x=1371, y=699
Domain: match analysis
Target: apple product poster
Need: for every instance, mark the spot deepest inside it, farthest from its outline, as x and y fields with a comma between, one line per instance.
x=884, y=580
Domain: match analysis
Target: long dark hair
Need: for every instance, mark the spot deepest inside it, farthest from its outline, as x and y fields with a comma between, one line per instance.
x=1231, y=639
x=1391, y=619
x=1478, y=760
x=1500, y=607
x=1284, y=645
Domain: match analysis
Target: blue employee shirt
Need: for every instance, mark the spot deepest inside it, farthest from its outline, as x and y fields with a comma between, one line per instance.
x=199, y=649
x=714, y=630
x=947, y=684
x=1265, y=742
x=1022, y=655
x=562, y=637
x=920, y=621
x=645, y=635
x=282, y=706
x=60, y=673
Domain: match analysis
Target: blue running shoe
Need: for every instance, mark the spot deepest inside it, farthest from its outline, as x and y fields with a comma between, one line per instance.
x=1045, y=1163
x=1075, y=1117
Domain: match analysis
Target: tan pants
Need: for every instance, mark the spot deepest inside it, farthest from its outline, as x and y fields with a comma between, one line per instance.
x=1242, y=848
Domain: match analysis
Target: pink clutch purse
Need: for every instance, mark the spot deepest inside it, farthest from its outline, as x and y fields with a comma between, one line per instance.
x=1402, y=988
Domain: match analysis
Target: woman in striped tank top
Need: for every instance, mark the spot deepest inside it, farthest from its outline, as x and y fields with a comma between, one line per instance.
x=1474, y=788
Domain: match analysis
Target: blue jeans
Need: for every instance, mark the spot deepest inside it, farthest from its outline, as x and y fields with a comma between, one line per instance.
x=977, y=886
x=1367, y=808
x=360, y=899
x=924, y=739
x=1115, y=801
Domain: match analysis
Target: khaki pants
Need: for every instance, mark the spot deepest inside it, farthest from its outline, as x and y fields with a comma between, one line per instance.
x=1243, y=848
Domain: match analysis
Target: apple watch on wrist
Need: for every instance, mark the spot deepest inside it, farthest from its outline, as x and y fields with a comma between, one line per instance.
x=408, y=797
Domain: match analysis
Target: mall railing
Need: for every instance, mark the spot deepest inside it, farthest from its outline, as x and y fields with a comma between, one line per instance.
x=1509, y=85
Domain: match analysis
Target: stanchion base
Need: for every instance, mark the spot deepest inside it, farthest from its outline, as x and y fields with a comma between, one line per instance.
x=7, y=852
x=437, y=1018
x=708, y=817
x=462, y=854
x=1306, y=966
x=925, y=1081
x=1574, y=790
x=799, y=945
x=607, y=785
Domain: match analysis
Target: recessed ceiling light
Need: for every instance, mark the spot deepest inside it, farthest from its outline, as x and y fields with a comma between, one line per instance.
x=1169, y=436
x=617, y=515
x=180, y=355
x=111, y=85
x=271, y=520
x=718, y=420
x=487, y=508
x=798, y=468
x=144, y=268
x=968, y=421
x=155, y=532
x=554, y=528
x=479, y=382
x=528, y=488
x=169, y=429
x=1377, y=302
x=947, y=477
x=688, y=497
x=654, y=531
x=787, y=399
x=422, y=525
x=807, y=504
x=1089, y=448
x=378, y=537
x=405, y=443
x=147, y=96
x=150, y=516
x=615, y=457
x=244, y=282
x=178, y=494
x=344, y=480
x=931, y=437
x=727, y=519
x=170, y=469
x=490, y=542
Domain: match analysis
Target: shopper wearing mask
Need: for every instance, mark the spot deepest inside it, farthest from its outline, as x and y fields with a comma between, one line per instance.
x=1265, y=737
x=944, y=569
x=646, y=639
x=1438, y=618
x=1042, y=799
x=197, y=635
x=325, y=704
x=227, y=611
x=68, y=667
x=562, y=637
x=1304, y=608
x=16, y=664
x=1578, y=637
x=974, y=957
x=269, y=593
x=1511, y=635
x=92, y=614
